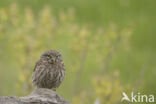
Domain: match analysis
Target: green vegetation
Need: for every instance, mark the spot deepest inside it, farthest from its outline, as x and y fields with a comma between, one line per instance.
x=108, y=46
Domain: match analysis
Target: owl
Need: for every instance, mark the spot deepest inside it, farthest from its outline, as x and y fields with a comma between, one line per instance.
x=49, y=70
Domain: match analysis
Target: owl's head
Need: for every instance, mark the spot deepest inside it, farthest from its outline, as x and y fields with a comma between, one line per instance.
x=51, y=56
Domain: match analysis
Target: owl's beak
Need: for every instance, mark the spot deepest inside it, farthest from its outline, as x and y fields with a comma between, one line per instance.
x=53, y=60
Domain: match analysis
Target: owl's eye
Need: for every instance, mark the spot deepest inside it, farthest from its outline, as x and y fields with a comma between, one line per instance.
x=48, y=56
x=58, y=56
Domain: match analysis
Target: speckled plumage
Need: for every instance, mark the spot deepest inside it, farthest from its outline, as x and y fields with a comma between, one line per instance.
x=49, y=71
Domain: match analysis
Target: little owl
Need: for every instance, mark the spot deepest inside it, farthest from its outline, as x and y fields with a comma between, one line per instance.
x=49, y=71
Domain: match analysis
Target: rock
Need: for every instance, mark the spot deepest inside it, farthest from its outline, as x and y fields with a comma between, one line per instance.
x=38, y=96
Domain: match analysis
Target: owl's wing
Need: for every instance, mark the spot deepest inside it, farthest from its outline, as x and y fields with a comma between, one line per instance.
x=37, y=63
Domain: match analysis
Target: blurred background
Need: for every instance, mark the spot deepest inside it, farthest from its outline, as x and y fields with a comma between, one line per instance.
x=108, y=47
